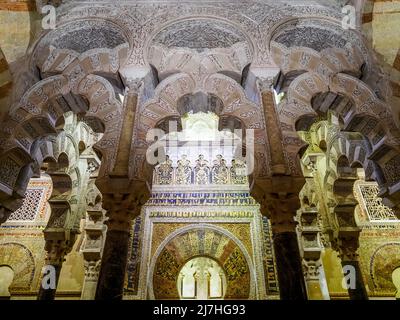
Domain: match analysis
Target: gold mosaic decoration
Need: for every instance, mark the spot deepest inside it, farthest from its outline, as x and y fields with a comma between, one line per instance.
x=200, y=242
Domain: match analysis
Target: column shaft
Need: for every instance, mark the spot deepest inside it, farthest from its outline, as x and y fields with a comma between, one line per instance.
x=290, y=273
x=112, y=273
x=89, y=290
x=50, y=293
x=274, y=134
x=358, y=292
x=311, y=275
x=92, y=269
x=124, y=147
x=57, y=247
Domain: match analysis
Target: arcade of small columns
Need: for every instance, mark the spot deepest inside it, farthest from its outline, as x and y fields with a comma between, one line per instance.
x=84, y=122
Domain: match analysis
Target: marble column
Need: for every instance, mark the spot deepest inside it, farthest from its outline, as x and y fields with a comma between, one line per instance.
x=115, y=257
x=92, y=271
x=280, y=195
x=274, y=134
x=92, y=249
x=115, y=254
x=121, y=198
x=310, y=248
x=347, y=238
x=290, y=273
x=121, y=167
x=311, y=269
x=56, y=250
x=351, y=268
x=286, y=247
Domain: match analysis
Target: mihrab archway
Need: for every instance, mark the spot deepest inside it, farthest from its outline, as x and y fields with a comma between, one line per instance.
x=201, y=241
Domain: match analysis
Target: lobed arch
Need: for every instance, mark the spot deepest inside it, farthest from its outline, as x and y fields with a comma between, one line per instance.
x=61, y=154
x=345, y=151
x=341, y=202
x=176, y=86
x=229, y=61
x=320, y=134
x=78, y=35
x=318, y=34
x=350, y=43
x=67, y=174
x=326, y=63
x=344, y=155
x=365, y=114
x=98, y=60
x=165, y=103
x=40, y=103
x=354, y=150
x=79, y=135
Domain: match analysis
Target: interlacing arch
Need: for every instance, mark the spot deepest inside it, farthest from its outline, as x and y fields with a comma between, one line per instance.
x=342, y=152
x=345, y=153
x=67, y=172
x=334, y=145
x=164, y=105
x=364, y=102
x=229, y=61
x=67, y=61
x=66, y=179
x=40, y=111
x=169, y=91
x=326, y=63
x=359, y=108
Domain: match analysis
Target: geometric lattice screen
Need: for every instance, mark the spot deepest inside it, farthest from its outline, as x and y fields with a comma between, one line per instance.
x=30, y=208
x=34, y=205
x=373, y=206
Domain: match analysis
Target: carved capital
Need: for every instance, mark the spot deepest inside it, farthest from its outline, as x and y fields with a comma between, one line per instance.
x=134, y=86
x=311, y=269
x=92, y=270
x=123, y=207
x=310, y=165
x=279, y=199
x=282, y=211
x=347, y=247
x=266, y=84
x=266, y=77
x=133, y=77
x=56, y=250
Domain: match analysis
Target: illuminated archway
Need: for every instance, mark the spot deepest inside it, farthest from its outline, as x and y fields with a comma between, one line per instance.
x=201, y=278
x=188, y=243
